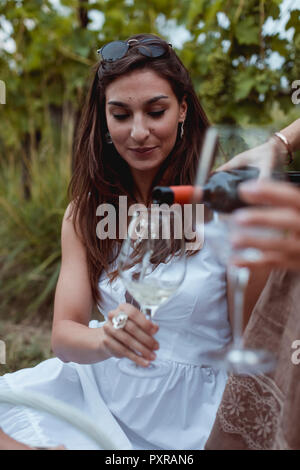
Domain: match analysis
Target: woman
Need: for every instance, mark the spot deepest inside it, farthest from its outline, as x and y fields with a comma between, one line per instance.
x=142, y=125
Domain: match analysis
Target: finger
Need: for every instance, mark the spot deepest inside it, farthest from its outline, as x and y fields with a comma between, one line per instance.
x=270, y=260
x=143, y=337
x=238, y=161
x=131, y=335
x=137, y=317
x=225, y=167
x=119, y=350
x=230, y=165
x=282, y=219
x=133, y=343
x=286, y=245
x=279, y=193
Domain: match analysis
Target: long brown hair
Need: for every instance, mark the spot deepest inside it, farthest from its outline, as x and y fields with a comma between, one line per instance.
x=101, y=175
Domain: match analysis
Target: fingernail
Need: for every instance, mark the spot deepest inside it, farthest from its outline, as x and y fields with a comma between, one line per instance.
x=236, y=242
x=153, y=356
x=249, y=186
x=241, y=216
x=145, y=362
x=235, y=238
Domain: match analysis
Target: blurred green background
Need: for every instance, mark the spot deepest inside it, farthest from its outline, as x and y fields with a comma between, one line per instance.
x=243, y=55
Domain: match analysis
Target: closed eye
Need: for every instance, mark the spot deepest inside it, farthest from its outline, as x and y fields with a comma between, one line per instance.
x=120, y=117
x=153, y=114
x=157, y=114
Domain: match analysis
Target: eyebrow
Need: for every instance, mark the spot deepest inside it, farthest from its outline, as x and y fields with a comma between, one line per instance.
x=152, y=100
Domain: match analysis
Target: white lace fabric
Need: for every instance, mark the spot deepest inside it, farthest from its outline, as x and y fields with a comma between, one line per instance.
x=252, y=408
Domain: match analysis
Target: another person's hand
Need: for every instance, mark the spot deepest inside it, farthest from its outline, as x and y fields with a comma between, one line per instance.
x=284, y=145
x=280, y=211
x=135, y=340
x=264, y=157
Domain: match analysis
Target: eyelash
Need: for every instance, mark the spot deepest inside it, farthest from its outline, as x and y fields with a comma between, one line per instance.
x=153, y=114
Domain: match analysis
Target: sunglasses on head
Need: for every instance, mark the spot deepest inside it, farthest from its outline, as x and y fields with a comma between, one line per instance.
x=117, y=49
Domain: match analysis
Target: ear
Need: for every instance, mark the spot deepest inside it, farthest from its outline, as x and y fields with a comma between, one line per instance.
x=183, y=107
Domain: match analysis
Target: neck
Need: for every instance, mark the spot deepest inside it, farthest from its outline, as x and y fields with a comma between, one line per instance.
x=143, y=182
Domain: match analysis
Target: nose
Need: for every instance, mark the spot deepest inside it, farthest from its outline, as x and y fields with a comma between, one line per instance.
x=139, y=130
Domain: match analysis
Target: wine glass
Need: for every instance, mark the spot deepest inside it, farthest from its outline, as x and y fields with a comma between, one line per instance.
x=218, y=232
x=152, y=266
x=235, y=357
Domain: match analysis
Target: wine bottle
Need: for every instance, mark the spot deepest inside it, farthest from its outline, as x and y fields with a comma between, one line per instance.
x=294, y=177
x=220, y=193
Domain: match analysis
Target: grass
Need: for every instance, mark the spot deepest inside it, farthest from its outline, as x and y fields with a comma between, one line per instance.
x=30, y=234
x=30, y=249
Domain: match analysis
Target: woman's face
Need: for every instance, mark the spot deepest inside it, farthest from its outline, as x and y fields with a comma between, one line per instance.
x=142, y=115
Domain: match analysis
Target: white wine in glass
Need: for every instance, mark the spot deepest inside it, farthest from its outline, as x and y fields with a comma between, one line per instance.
x=154, y=246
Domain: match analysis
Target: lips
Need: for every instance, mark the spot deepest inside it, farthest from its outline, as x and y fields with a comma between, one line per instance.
x=143, y=150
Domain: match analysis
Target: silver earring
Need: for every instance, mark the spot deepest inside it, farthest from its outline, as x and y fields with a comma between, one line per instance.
x=108, y=138
x=182, y=130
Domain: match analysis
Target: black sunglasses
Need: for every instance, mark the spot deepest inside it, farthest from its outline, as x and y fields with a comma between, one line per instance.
x=117, y=49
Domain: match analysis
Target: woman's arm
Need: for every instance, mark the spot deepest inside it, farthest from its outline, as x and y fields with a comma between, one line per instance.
x=72, y=339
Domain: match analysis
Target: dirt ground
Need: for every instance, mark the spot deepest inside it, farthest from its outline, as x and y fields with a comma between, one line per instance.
x=25, y=345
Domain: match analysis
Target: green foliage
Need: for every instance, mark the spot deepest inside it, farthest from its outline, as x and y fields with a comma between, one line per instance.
x=47, y=78
x=30, y=236
x=54, y=51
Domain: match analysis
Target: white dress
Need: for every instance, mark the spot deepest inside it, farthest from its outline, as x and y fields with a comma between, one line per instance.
x=173, y=411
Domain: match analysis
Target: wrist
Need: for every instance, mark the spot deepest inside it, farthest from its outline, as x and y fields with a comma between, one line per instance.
x=102, y=348
x=75, y=342
x=285, y=144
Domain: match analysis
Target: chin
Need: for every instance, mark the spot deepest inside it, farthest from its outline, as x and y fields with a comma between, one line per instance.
x=143, y=166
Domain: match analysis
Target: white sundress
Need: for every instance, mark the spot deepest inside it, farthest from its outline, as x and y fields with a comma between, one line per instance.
x=174, y=411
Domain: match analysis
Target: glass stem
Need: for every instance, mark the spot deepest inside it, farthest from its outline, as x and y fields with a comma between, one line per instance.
x=241, y=276
x=149, y=312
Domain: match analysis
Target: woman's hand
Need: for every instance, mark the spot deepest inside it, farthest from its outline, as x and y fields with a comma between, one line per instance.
x=282, y=213
x=134, y=341
x=8, y=443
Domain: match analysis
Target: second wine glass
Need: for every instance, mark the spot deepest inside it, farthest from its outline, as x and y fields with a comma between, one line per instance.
x=236, y=357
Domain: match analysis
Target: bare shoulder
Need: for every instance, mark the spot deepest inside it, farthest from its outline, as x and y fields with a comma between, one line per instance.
x=68, y=218
x=71, y=235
